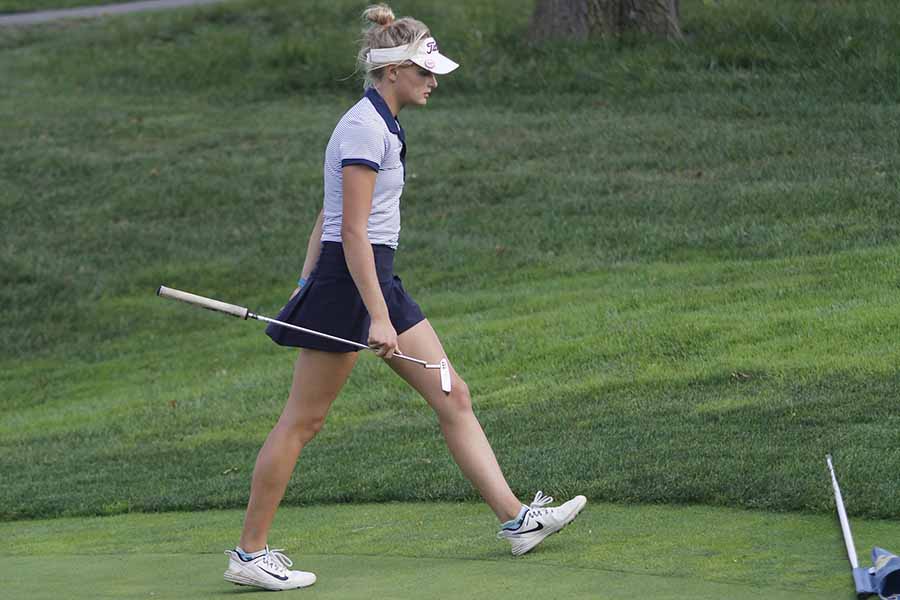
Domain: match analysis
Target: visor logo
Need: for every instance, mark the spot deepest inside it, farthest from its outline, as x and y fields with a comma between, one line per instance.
x=432, y=47
x=429, y=63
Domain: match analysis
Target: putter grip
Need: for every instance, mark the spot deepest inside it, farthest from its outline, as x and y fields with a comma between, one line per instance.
x=208, y=303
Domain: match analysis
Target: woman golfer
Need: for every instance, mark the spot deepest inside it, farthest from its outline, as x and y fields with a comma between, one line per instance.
x=348, y=290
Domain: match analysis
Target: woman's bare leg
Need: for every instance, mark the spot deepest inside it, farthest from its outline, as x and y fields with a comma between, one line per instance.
x=462, y=431
x=318, y=377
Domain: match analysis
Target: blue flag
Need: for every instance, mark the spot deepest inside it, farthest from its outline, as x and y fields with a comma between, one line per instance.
x=885, y=574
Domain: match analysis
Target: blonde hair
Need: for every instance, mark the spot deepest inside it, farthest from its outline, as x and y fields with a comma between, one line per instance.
x=385, y=31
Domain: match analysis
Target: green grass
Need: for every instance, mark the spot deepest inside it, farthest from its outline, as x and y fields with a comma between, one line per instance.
x=21, y=6
x=708, y=394
x=441, y=549
x=667, y=271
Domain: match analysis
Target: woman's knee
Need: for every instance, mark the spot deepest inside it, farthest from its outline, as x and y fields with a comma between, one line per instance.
x=458, y=401
x=302, y=429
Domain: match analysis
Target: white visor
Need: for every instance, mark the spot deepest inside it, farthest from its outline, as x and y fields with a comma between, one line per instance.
x=425, y=54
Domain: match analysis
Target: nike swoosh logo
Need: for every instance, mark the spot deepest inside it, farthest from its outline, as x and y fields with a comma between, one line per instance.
x=538, y=528
x=282, y=578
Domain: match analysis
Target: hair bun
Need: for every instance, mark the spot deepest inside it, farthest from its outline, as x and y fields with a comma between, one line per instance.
x=380, y=14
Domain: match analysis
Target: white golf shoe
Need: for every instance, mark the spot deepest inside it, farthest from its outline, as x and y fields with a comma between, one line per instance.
x=539, y=522
x=268, y=571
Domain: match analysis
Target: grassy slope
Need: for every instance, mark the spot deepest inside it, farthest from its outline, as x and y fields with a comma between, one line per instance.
x=667, y=272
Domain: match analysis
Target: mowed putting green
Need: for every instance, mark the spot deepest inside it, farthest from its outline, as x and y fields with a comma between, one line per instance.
x=445, y=550
x=349, y=577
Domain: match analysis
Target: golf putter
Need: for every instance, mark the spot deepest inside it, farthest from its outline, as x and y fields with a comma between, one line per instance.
x=861, y=579
x=884, y=577
x=243, y=313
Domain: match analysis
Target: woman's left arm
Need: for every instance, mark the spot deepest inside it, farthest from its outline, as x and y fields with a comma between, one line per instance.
x=358, y=187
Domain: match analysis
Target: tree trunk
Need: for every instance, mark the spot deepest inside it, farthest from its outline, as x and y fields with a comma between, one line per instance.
x=579, y=19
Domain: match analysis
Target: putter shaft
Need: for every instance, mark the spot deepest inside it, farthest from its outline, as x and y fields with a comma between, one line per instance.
x=244, y=313
x=842, y=516
x=252, y=315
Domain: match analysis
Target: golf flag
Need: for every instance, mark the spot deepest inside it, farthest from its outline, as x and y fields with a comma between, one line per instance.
x=885, y=574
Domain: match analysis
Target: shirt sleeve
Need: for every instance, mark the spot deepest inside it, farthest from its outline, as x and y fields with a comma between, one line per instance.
x=362, y=144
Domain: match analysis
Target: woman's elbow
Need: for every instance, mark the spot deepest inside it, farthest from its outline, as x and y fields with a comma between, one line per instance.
x=354, y=233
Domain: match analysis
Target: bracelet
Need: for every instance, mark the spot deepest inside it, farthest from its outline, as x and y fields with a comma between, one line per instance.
x=301, y=282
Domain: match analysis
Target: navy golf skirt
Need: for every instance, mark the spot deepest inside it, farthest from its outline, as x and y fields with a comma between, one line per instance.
x=330, y=303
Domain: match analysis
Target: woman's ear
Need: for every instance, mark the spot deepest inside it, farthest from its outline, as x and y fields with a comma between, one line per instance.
x=392, y=73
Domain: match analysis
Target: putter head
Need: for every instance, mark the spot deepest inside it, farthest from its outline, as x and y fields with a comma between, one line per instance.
x=445, y=376
x=862, y=581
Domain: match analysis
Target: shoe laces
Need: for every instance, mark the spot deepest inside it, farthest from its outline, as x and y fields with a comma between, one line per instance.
x=274, y=559
x=539, y=502
x=277, y=560
x=535, y=509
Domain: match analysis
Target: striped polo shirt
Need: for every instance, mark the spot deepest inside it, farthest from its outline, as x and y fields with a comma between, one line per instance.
x=369, y=135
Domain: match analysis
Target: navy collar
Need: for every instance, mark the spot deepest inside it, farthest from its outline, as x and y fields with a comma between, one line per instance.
x=381, y=106
x=392, y=123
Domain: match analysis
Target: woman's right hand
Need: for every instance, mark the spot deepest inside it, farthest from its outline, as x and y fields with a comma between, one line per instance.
x=383, y=338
